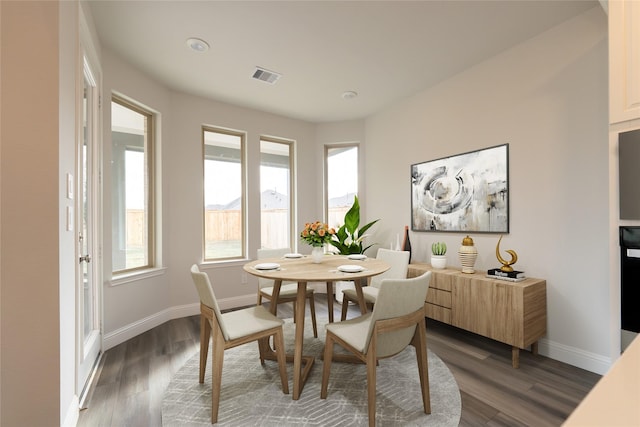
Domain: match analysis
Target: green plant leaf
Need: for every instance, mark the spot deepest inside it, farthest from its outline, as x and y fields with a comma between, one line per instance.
x=350, y=233
x=352, y=217
x=366, y=227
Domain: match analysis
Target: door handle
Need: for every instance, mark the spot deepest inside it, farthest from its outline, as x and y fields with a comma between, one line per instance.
x=86, y=258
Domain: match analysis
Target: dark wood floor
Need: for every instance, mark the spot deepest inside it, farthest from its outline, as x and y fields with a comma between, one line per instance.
x=131, y=377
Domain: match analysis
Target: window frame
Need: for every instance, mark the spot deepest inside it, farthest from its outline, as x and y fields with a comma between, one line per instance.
x=292, y=186
x=150, y=184
x=333, y=146
x=243, y=191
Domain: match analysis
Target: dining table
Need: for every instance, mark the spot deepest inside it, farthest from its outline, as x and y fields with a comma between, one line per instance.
x=302, y=269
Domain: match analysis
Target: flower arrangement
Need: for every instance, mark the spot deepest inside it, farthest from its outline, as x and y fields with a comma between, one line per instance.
x=317, y=233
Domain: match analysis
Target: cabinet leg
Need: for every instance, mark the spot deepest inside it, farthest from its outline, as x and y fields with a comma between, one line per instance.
x=534, y=348
x=515, y=357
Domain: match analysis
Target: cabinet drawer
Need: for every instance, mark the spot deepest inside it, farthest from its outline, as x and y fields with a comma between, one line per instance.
x=436, y=312
x=439, y=297
x=440, y=279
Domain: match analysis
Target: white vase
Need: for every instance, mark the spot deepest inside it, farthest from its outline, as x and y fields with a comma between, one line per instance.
x=317, y=253
x=438, y=261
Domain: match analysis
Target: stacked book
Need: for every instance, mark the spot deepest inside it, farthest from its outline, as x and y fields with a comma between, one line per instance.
x=512, y=276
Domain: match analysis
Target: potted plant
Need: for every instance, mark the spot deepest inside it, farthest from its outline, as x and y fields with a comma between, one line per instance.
x=348, y=239
x=438, y=255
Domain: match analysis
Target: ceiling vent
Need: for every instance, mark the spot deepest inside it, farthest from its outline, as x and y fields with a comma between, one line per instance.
x=266, y=75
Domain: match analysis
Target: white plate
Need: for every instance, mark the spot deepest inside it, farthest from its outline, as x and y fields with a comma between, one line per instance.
x=267, y=266
x=348, y=268
x=357, y=256
x=293, y=255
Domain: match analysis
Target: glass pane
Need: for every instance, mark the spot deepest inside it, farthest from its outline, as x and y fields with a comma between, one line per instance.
x=223, y=204
x=136, y=222
x=84, y=243
x=342, y=182
x=275, y=184
x=130, y=188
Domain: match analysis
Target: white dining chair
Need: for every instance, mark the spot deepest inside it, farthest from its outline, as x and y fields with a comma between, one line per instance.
x=230, y=330
x=399, y=261
x=397, y=320
x=288, y=290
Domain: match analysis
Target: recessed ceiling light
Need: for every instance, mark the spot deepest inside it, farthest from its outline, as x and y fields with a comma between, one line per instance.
x=197, y=45
x=350, y=94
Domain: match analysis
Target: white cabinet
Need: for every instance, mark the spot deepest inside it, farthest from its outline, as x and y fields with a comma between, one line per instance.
x=624, y=60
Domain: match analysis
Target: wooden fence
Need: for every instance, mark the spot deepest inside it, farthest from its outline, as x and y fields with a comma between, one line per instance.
x=227, y=225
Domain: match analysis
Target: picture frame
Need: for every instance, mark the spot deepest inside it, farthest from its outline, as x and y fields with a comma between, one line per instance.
x=466, y=192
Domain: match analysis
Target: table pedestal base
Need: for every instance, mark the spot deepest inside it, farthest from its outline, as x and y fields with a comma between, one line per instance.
x=266, y=352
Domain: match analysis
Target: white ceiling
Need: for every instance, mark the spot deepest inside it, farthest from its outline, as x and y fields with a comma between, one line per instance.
x=383, y=50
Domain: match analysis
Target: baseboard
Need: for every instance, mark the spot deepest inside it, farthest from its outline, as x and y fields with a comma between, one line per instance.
x=563, y=353
x=574, y=356
x=112, y=339
x=73, y=413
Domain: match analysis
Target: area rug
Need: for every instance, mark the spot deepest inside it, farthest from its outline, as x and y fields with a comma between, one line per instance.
x=252, y=394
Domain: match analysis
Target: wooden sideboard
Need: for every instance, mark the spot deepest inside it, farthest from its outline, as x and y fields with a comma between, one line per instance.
x=514, y=313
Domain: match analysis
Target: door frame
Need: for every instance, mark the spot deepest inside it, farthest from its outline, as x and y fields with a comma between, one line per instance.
x=86, y=361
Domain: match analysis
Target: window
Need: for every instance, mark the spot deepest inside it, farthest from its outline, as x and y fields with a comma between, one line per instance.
x=132, y=186
x=223, y=194
x=276, y=199
x=341, y=172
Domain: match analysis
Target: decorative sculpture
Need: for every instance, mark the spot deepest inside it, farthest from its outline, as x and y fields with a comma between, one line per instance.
x=506, y=265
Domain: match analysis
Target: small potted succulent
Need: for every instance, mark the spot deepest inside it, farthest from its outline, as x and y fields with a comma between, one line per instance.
x=438, y=255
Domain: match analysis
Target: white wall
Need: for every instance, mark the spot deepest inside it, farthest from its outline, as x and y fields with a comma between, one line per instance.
x=185, y=175
x=135, y=306
x=30, y=277
x=148, y=297
x=548, y=99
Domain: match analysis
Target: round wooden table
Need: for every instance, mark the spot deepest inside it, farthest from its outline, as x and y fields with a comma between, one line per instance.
x=304, y=270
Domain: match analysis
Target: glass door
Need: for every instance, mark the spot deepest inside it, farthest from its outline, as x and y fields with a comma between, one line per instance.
x=89, y=340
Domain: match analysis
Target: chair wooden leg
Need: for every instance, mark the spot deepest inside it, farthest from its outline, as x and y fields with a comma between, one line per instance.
x=205, y=334
x=216, y=374
x=278, y=339
x=263, y=348
x=263, y=344
x=345, y=307
x=326, y=368
x=371, y=385
x=312, y=308
x=420, y=343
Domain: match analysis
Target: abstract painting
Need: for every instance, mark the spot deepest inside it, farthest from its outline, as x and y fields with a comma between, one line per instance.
x=466, y=192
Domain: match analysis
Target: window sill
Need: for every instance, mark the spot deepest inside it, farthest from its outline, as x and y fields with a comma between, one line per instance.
x=122, y=279
x=224, y=263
